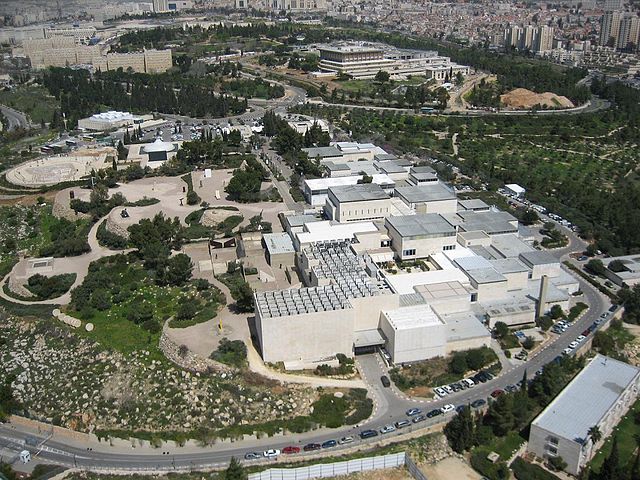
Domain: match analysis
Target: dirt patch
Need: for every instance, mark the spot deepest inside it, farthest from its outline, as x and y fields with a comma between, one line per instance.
x=450, y=468
x=389, y=474
x=521, y=98
x=210, y=218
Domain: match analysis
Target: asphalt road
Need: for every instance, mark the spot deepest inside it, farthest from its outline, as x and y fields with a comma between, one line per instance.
x=15, y=119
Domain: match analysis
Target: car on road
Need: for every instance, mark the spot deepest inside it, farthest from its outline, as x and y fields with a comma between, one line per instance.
x=419, y=418
x=583, y=258
x=329, y=444
x=522, y=355
x=460, y=408
x=413, y=411
x=470, y=383
x=388, y=429
x=580, y=338
x=252, y=455
x=497, y=393
x=574, y=344
x=448, y=408
x=271, y=453
x=613, y=307
x=440, y=392
x=586, y=332
x=510, y=388
x=599, y=321
x=385, y=381
x=368, y=434
x=447, y=388
x=434, y=413
x=567, y=351
x=479, y=403
x=345, y=440
x=310, y=447
x=290, y=450
x=403, y=423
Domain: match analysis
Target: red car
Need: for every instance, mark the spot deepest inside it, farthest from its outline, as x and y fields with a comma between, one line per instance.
x=497, y=393
x=290, y=450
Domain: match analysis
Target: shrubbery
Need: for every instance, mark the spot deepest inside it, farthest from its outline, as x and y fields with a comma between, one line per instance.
x=45, y=288
x=231, y=352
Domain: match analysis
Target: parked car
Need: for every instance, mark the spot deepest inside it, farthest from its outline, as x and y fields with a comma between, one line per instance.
x=447, y=388
x=567, y=351
x=345, y=440
x=448, y=408
x=440, y=392
x=368, y=434
x=460, y=408
x=413, y=411
x=510, y=388
x=310, y=447
x=329, y=444
x=574, y=344
x=385, y=381
x=478, y=403
x=583, y=258
x=434, y=413
x=290, y=450
x=470, y=383
x=388, y=429
x=580, y=338
x=252, y=455
x=403, y=423
x=271, y=453
x=497, y=393
x=419, y=418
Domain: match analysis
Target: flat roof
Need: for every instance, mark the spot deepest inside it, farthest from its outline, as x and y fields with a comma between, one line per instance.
x=509, y=246
x=368, y=338
x=425, y=193
x=492, y=222
x=508, y=265
x=464, y=326
x=538, y=257
x=325, y=183
x=422, y=169
x=473, y=204
x=422, y=224
x=439, y=291
x=300, y=220
x=485, y=275
x=336, y=167
x=415, y=316
x=514, y=187
x=406, y=282
x=277, y=243
x=327, y=231
x=322, y=152
x=358, y=193
x=587, y=399
x=349, y=48
x=389, y=166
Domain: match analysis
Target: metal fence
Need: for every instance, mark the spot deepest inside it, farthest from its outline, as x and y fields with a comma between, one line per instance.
x=413, y=469
x=328, y=470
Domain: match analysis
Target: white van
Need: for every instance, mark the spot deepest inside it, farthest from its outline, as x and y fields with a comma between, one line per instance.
x=468, y=382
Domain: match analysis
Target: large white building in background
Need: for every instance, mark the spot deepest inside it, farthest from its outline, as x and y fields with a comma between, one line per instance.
x=364, y=60
x=599, y=396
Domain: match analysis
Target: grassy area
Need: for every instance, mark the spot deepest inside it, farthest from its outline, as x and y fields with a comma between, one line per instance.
x=128, y=308
x=33, y=100
x=627, y=433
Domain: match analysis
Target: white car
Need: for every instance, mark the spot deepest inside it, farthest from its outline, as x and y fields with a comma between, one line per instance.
x=388, y=429
x=447, y=388
x=567, y=351
x=271, y=453
x=580, y=338
x=441, y=392
x=470, y=383
x=345, y=440
x=448, y=408
x=574, y=344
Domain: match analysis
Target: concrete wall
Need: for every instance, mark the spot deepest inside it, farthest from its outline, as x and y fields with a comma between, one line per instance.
x=413, y=344
x=540, y=444
x=550, y=270
x=306, y=337
x=513, y=319
x=517, y=280
x=424, y=247
x=440, y=206
x=490, y=291
x=467, y=344
x=367, y=310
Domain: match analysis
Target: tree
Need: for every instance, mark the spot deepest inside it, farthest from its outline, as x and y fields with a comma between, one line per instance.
x=595, y=434
x=192, y=197
x=235, y=471
x=122, y=152
x=544, y=322
x=460, y=431
x=611, y=466
x=596, y=267
x=529, y=217
x=500, y=415
x=616, y=266
x=243, y=296
x=501, y=330
x=382, y=76
x=555, y=312
x=557, y=463
x=458, y=363
x=179, y=270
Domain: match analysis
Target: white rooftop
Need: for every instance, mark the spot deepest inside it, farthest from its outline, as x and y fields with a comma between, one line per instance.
x=514, y=187
x=412, y=317
x=327, y=182
x=328, y=231
x=112, y=116
x=404, y=283
x=588, y=397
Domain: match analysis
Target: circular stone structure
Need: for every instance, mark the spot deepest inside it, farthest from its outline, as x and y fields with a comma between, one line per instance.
x=58, y=169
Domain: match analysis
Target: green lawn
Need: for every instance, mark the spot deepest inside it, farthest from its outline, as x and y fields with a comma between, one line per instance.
x=33, y=100
x=627, y=433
